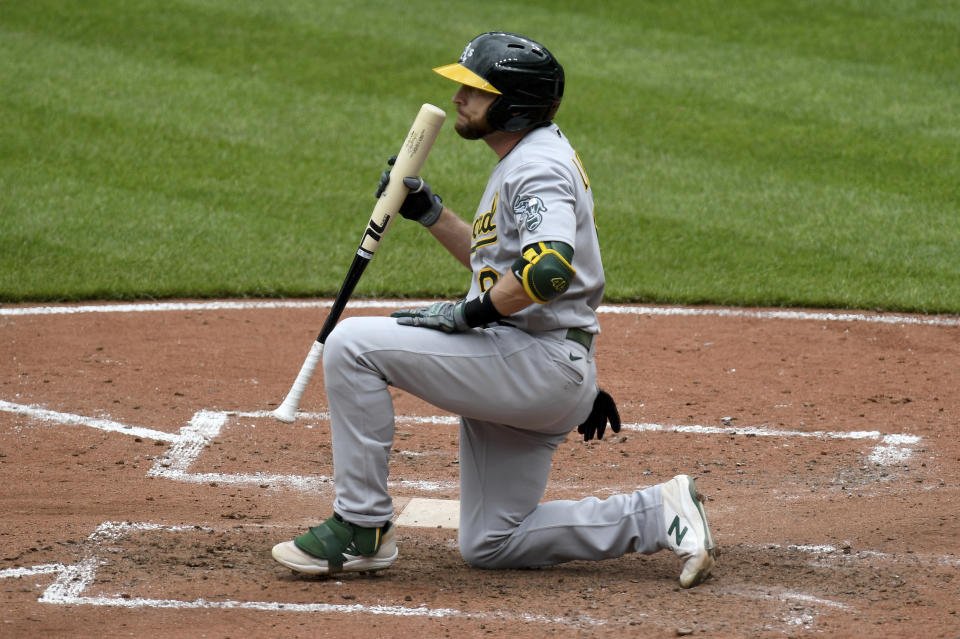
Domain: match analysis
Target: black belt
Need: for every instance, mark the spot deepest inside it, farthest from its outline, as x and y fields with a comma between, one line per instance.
x=580, y=336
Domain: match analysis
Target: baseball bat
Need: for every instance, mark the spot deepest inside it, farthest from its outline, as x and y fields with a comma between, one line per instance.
x=410, y=160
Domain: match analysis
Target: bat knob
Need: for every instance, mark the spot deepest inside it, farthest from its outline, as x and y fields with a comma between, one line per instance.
x=285, y=413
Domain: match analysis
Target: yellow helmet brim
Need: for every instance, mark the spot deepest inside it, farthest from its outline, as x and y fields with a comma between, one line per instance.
x=459, y=73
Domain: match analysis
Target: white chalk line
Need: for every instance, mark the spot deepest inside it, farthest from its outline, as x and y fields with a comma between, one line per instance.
x=762, y=431
x=205, y=425
x=68, y=419
x=892, y=449
x=836, y=553
x=804, y=607
x=804, y=598
x=74, y=579
x=820, y=316
x=40, y=569
x=213, y=305
x=218, y=305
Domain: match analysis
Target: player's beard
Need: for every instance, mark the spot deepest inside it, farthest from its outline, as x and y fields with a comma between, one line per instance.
x=473, y=130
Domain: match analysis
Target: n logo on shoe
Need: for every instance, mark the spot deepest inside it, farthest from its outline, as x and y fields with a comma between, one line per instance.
x=674, y=529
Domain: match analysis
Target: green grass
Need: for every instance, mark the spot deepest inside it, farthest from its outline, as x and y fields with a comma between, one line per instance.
x=765, y=152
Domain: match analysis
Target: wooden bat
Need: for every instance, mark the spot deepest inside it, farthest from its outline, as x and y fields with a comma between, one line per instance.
x=410, y=160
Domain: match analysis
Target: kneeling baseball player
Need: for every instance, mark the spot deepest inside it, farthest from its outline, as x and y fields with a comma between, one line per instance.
x=514, y=358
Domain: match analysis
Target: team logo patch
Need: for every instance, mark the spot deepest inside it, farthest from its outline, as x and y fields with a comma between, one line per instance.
x=529, y=210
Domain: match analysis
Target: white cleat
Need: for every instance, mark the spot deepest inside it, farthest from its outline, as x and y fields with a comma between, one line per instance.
x=687, y=530
x=289, y=555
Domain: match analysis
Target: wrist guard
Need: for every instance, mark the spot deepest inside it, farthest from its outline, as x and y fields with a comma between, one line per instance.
x=480, y=311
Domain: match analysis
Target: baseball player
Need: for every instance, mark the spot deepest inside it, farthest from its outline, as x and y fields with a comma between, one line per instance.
x=514, y=358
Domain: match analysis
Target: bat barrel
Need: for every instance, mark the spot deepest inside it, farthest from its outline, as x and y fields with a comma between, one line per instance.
x=410, y=159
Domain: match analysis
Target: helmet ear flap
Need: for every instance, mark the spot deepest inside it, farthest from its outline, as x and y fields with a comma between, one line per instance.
x=497, y=114
x=506, y=116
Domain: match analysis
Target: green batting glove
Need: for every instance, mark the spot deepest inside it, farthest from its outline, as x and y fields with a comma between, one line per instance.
x=441, y=316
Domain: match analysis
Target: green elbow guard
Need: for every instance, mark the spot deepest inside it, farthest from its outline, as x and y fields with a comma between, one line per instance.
x=543, y=271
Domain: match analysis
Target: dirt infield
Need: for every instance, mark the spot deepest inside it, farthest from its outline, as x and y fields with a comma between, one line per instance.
x=143, y=483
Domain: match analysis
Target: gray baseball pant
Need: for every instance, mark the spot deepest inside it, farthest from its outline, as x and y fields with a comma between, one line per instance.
x=519, y=395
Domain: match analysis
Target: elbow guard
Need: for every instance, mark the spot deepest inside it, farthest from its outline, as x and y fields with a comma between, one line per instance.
x=545, y=270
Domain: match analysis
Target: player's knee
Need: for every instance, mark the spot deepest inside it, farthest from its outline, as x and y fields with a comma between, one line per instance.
x=483, y=552
x=476, y=556
x=340, y=347
x=334, y=348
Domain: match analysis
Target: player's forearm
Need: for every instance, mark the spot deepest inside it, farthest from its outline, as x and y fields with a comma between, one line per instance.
x=454, y=234
x=508, y=296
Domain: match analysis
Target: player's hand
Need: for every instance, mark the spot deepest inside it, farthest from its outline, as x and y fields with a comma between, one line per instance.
x=604, y=409
x=442, y=316
x=421, y=203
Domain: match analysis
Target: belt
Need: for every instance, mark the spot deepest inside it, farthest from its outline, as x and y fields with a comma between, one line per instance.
x=580, y=336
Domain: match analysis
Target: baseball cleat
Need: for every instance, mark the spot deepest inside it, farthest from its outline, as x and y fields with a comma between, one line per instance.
x=687, y=530
x=339, y=546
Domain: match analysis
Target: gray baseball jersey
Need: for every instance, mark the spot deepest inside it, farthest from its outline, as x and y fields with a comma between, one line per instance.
x=540, y=192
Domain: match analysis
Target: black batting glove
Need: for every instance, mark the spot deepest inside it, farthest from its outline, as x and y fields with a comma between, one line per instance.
x=604, y=410
x=421, y=203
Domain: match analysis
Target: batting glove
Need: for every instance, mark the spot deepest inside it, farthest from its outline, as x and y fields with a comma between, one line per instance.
x=442, y=316
x=604, y=409
x=421, y=203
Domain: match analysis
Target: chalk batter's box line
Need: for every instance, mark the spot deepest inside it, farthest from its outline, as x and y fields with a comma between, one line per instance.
x=670, y=311
x=193, y=439
x=73, y=580
x=206, y=425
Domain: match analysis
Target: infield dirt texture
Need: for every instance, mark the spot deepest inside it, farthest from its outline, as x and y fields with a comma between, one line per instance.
x=143, y=486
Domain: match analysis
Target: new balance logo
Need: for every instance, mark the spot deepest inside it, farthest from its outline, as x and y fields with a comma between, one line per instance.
x=674, y=529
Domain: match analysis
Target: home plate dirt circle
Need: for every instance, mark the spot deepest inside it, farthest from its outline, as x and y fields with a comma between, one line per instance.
x=145, y=481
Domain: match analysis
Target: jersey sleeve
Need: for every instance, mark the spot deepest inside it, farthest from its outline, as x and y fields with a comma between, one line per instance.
x=541, y=199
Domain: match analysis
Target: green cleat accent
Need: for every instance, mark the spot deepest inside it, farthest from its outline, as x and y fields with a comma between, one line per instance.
x=339, y=546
